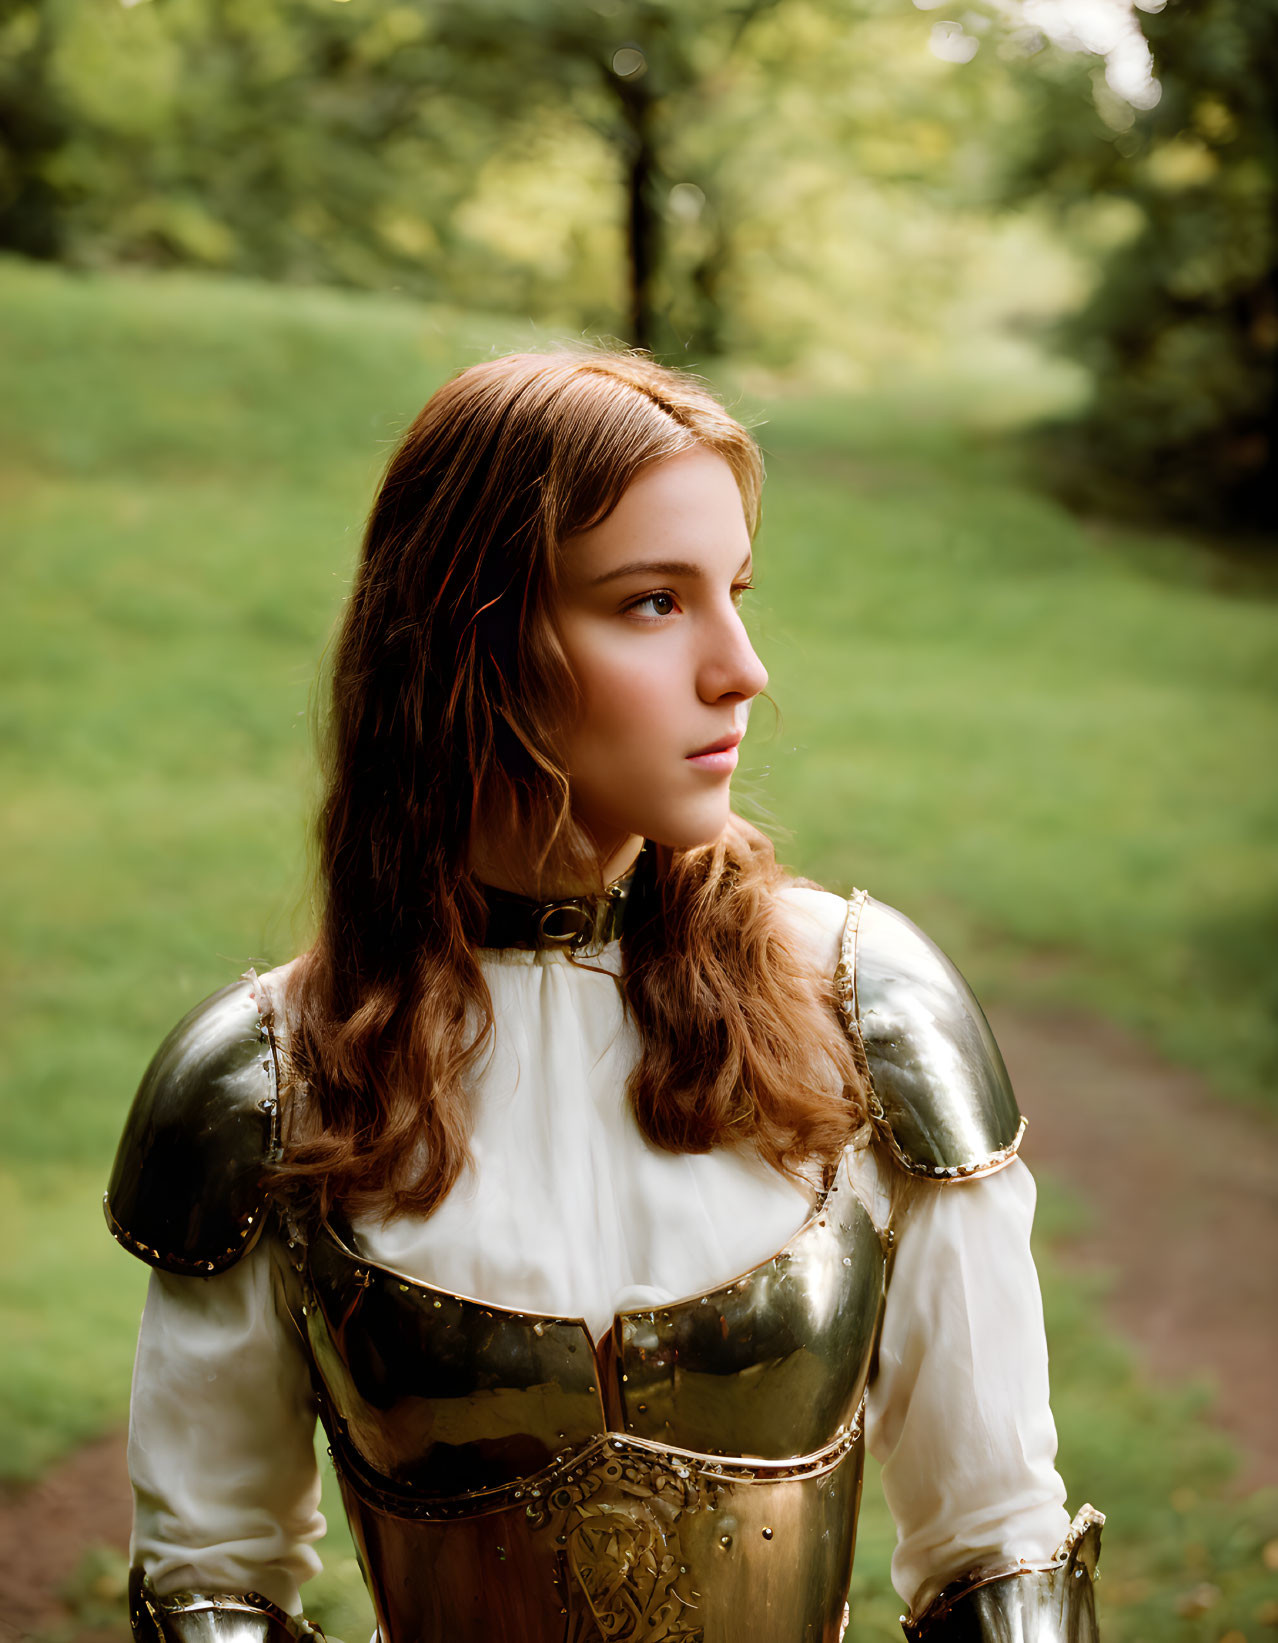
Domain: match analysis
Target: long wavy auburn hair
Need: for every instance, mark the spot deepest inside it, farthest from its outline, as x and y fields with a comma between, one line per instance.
x=449, y=692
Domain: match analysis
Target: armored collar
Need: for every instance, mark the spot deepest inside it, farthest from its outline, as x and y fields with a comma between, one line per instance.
x=570, y=922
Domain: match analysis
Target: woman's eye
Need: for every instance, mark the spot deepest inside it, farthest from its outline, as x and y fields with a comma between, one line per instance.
x=655, y=604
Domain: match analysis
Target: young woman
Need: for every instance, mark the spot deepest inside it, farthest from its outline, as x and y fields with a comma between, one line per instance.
x=564, y=1175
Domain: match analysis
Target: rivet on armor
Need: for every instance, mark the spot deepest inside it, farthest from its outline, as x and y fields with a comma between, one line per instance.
x=767, y=1534
x=643, y=1408
x=725, y=1541
x=847, y=1260
x=438, y=1304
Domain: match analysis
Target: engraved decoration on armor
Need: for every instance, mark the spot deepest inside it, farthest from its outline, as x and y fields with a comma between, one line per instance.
x=624, y=1576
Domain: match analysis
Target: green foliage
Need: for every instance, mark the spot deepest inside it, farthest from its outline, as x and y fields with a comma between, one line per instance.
x=716, y=177
x=790, y=179
x=303, y=141
x=1045, y=743
x=1181, y=330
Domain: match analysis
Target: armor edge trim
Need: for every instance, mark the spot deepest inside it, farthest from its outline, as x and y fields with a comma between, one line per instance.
x=179, y=1264
x=232, y=1067
x=708, y=1468
x=848, y=1003
x=365, y=1264
x=210, y=1615
x=1080, y=1549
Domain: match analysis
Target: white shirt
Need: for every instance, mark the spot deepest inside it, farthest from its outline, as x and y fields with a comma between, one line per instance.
x=568, y=1209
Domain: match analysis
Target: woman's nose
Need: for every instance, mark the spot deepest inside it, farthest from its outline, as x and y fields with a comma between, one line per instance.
x=733, y=668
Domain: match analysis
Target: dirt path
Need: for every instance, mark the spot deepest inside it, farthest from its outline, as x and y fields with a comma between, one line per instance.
x=1184, y=1191
x=46, y=1531
x=1185, y=1199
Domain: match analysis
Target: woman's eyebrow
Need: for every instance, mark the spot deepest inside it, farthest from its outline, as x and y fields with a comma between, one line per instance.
x=657, y=567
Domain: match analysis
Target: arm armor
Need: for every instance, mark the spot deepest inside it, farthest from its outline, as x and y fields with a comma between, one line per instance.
x=940, y=1094
x=186, y=1192
x=1044, y=1605
x=210, y=1617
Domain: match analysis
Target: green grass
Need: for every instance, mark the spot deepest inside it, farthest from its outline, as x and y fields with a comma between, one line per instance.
x=1046, y=742
x=1057, y=756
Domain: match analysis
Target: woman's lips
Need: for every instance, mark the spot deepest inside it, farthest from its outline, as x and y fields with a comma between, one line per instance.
x=720, y=758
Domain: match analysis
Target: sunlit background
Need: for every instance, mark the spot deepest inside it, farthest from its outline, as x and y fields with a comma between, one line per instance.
x=997, y=286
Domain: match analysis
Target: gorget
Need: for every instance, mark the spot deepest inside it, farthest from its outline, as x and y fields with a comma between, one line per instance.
x=695, y=1475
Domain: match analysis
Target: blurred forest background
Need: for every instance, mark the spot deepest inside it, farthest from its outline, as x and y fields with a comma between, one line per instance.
x=806, y=183
x=997, y=284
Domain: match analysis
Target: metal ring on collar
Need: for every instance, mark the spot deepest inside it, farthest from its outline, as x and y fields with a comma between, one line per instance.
x=576, y=930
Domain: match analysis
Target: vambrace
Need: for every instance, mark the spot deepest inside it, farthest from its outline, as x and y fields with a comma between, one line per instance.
x=211, y=1617
x=1049, y=1604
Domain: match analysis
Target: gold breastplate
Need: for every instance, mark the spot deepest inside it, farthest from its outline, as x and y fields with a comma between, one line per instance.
x=695, y=1475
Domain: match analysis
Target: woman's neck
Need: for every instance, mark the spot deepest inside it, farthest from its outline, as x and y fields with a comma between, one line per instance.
x=509, y=865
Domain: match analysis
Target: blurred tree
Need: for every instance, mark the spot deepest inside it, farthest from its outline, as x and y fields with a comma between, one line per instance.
x=33, y=129
x=773, y=177
x=394, y=143
x=1181, y=330
x=302, y=140
x=640, y=73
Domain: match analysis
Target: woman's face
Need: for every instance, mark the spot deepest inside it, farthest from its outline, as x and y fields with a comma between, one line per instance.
x=647, y=614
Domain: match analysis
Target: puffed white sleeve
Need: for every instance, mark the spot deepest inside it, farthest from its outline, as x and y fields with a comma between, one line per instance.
x=221, y=1438
x=958, y=1414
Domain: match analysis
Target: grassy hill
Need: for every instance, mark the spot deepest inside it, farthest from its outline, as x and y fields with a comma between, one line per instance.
x=1048, y=742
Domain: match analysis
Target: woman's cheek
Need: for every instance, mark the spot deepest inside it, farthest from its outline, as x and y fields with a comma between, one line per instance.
x=629, y=697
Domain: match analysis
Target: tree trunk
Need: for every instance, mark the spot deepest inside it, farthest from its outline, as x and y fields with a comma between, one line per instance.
x=643, y=219
x=33, y=127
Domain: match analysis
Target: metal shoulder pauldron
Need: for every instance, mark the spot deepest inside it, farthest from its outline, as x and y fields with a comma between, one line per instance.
x=941, y=1096
x=186, y=1192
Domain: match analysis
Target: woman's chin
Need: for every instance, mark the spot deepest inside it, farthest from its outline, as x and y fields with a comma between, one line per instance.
x=687, y=833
